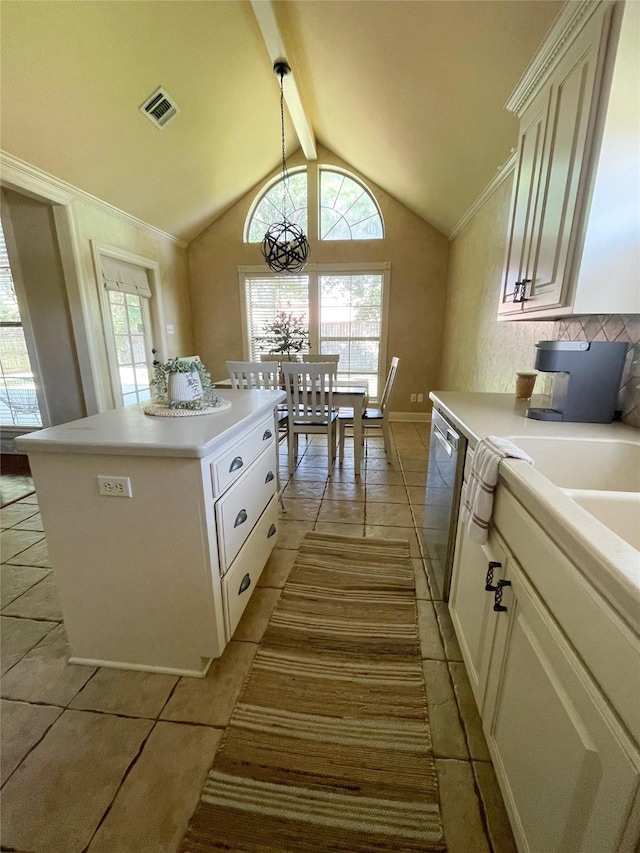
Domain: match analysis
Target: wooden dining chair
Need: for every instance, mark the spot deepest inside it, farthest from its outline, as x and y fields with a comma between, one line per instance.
x=373, y=418
x=322, y=357
x=309, y=390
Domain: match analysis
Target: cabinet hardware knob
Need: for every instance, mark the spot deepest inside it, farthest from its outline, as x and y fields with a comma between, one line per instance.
x=498, y=606
x=240, y=518
x=267, y=434
x=488, y=584
x=237, y=463
x=245, y=583
x=516, y=291
x=272, y=530
x=269, y=477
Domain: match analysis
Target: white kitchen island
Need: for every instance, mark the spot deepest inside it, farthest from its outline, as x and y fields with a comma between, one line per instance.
x=158, y=580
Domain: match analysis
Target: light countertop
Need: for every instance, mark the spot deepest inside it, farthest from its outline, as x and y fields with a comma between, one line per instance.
x=129, y=431
x=610, y=563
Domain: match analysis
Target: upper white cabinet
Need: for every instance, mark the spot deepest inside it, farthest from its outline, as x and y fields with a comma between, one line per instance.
x=573, y=244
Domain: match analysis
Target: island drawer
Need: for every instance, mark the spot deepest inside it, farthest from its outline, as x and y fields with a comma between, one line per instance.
x=235, y=460
x=239, y=582
x=241, y=506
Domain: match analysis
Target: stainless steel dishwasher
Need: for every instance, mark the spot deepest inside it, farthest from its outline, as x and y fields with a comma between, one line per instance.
x=447, y=450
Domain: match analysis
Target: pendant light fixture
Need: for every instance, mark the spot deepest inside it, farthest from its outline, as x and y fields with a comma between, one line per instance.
x=285, y=246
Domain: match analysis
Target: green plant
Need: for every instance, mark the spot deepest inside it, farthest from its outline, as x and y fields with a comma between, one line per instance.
x=193, y=367
x=286, y=334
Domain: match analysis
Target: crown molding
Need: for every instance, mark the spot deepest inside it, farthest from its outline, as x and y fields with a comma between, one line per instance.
x=19, y=174
x=566, y=26
x=503, y=172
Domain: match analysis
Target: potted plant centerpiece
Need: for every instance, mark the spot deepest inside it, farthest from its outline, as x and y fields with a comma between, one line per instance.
x=286, y=335
x=183, y=383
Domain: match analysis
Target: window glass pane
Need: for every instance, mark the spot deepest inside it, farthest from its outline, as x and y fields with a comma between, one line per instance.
x=130, y=338
x=267, y=297
x=345, y=205
x=9, y=311
x=270, y=208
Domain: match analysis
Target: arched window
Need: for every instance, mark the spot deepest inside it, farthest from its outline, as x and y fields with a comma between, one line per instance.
x=269, y=207
x=348, y=211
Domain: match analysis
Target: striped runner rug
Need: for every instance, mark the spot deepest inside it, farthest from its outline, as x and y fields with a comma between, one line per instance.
x=329, y=747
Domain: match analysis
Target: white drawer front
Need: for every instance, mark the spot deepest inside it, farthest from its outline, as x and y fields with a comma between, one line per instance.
x=238, y=510
x=235, y=461
x=241, y=579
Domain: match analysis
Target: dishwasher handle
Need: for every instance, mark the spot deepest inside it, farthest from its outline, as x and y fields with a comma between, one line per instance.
x=443, y=441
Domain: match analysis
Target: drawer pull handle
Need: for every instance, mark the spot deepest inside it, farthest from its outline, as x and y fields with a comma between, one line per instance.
x=240, y=518
x=244, y=584
x=267, y=434
x=269, y=477
x=237, y=463
x=498, y=606
x=489, y=585
x=271, y=532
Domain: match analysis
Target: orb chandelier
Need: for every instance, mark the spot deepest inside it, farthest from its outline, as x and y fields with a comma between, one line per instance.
x=285, y=246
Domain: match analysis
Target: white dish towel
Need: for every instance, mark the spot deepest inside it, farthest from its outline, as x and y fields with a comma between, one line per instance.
x=478, y=503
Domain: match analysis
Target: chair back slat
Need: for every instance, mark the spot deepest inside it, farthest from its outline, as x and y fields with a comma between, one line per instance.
x=309, y=390
x=388, y=385
x=245, y=375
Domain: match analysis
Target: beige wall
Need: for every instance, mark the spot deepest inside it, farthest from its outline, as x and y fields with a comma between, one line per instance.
x=480, y=354
x=418, y=256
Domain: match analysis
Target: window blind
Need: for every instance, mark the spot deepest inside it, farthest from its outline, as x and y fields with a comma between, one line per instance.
x=124, y=276
x=268, y=295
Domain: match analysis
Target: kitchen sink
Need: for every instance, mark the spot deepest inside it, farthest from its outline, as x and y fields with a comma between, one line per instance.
x=581, y=463
x=619, y=511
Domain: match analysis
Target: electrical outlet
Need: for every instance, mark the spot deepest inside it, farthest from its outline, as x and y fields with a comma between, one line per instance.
x=420, y=398
x=114, y=487
x=413, y=398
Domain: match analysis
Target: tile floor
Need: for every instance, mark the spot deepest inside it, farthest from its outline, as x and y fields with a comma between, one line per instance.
x=112, y=761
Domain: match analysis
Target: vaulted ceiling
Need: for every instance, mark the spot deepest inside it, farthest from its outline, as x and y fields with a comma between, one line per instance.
x=411, y=93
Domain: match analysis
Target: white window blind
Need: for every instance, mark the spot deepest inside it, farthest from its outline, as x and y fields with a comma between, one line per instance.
x=124, y=277
x=265, y=297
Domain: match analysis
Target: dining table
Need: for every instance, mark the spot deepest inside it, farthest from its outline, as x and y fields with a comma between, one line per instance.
x=354, y=397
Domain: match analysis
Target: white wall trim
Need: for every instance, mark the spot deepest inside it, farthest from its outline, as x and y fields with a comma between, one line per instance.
x=22, y=176
x=503, y=172
x=417, y=417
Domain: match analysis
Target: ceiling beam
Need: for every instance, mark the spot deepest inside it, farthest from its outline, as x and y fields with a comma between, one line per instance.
x=263, y=10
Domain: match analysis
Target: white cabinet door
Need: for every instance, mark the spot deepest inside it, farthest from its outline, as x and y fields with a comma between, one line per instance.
x=567, y=771
x=471, y=604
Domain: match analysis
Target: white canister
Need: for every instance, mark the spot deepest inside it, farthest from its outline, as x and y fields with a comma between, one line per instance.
x=184, y=387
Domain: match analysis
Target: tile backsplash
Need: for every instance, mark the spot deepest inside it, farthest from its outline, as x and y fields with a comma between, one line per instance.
x=611, y=327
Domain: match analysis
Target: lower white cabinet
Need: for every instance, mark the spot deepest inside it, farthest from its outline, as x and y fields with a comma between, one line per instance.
x=567, y=764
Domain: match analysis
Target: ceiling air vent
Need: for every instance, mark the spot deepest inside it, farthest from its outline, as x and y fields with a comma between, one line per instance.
x=160, y=108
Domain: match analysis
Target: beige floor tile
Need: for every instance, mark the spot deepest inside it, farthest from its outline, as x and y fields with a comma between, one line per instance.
x=469, y=712
x=381, y=463
x=18, y=636
x=416, y=479
x=344, y=512
x=384, y=493
x=417, y=494
x=497, y=819
x=461, y=816
x=339, y=529
x=383, y=531
x=446, y=732
x=210, y=700
x=14, y=580
x=36, y=555
x=344, y=491
x=14, y=487
x=416, y=464
x=291, y=533
x=451, y=647
x=394, y=515
x=255, y=618
x=55, y=799
x=23, y=725
x=43, y=674
x=422, y=587
x=13, y=542
x=29, y=499
x=153, y=807
x=278, y=568
x=302, y=489
x=376, y=476
x=127, y=692
x=417, y=512
x=309, y=474
x=38, y=602
x=302, y=509
x=430, y=643
x=34, y=522
x=15, y=513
